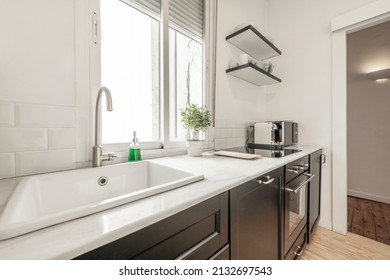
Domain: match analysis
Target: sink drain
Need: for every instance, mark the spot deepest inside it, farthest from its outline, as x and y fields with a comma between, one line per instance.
x=102, y=181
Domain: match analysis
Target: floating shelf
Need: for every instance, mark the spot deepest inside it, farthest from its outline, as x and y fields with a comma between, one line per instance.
x=252, y=42
x=253, y=74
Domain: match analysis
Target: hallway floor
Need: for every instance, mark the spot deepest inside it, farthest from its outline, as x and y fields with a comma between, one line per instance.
x=369, y=218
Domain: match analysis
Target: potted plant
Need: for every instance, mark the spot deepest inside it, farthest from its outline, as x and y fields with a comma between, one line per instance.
x=195, y=119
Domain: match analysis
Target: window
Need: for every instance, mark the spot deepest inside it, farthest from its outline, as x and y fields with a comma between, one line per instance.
x=186, y=78
x=131, y=68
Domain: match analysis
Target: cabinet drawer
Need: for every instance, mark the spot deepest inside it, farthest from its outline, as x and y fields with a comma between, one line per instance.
x=195, y=233
x=222, y=254
x=295, y=168
x=298, y=246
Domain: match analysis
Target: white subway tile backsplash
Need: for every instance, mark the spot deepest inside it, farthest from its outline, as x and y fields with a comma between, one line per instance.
x=230, y=133
x=45, y=161
x=231, y=142
x=22, y=139
x=218, y=133
x=227, y=132
x=241, y=141
x=7, y=186
x=32, y=115
x=220, y=144
x=6, y=114
x=7, y=161
x=62, y=138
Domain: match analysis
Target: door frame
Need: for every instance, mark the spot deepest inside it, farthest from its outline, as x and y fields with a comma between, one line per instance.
x=363, y=17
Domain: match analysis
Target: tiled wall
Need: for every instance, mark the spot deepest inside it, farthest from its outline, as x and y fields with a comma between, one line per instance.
x=230, y=133
x=37, y=90
x=36, y=138
x=6, y=188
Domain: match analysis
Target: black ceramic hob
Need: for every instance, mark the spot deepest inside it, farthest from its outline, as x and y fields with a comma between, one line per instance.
x=263, y=151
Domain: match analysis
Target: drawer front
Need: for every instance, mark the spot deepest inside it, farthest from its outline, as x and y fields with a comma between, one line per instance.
x=222, y=254
x=196, y=233
x=296, y=168
x=298, y=246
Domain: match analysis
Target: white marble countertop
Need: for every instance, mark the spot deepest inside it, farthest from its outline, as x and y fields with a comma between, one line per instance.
x=73, y=238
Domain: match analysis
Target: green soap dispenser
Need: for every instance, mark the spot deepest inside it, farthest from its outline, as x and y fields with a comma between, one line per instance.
x=134, y=149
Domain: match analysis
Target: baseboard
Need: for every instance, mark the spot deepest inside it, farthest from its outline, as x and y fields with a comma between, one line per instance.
x=369, y=196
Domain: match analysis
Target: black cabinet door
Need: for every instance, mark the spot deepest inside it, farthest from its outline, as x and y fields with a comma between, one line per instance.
x=255, y=218
x=198, y=232
x=314, y=207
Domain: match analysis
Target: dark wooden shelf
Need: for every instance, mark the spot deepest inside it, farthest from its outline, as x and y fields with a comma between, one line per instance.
x=253, y=74
x=252, y=42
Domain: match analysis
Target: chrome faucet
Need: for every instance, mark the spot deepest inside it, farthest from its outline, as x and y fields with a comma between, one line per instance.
x=97, y=150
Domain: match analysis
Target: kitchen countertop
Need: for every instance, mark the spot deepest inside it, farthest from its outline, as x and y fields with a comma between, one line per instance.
x=73, y=238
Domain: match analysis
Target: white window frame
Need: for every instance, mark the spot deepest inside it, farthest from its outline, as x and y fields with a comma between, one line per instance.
x=121, y=149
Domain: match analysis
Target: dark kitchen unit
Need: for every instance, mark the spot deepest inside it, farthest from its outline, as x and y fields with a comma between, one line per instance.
x=255, y=210
x=314, y=206
x=268, y=217
x=295, y=203
x=197, y=233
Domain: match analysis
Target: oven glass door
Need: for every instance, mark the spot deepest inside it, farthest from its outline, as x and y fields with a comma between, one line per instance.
x=295, y=208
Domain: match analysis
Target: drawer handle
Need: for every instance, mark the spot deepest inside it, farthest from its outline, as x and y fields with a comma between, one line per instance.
x=293, y=170
x=192, y=250
x=300, y=251
x=296, y=190
x=265, y=180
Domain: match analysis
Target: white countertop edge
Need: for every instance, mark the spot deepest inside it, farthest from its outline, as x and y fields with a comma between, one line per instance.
x=71, y=239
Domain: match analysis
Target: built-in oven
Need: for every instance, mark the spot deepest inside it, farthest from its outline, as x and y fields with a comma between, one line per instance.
x=295, y=203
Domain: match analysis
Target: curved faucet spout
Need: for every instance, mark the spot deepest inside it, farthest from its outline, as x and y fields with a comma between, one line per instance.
x=108, y=98
x=97, y=148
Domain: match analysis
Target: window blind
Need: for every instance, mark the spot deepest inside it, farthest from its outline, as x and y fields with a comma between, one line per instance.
x=184, y=14
x=188, y=15
x=148, y=6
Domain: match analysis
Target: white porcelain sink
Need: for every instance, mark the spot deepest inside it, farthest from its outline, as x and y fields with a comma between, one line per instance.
x=44, y=200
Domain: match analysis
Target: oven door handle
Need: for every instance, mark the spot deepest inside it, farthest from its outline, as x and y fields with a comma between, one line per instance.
x=296, y=190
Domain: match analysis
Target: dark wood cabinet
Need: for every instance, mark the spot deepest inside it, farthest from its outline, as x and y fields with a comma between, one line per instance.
x=255, y=218
x=314, y=205
x=200, y=232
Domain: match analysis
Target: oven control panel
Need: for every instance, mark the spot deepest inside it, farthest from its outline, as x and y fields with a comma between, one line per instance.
x=296, y=168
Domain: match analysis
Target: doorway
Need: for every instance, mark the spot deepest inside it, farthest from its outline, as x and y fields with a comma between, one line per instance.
x=369, y=15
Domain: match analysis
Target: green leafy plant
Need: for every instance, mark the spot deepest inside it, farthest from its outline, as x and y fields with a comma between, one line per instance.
x=196, y=119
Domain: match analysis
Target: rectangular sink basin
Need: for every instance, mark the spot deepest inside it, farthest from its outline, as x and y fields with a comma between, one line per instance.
x=44, y=200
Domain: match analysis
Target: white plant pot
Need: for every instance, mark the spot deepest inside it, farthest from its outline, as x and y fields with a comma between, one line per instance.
x=195, y=148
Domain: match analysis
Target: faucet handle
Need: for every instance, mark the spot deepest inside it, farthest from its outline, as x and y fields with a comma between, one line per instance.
x=108, y=156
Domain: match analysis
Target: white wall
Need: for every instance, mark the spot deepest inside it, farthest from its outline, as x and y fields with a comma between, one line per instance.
x=45, y=85
x=368, y=109
x=238, y=103
x=37, y=87
x=302, y=29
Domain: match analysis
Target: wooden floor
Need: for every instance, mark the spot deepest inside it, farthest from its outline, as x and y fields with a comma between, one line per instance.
x=369, y=218
x=329, y=245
